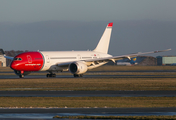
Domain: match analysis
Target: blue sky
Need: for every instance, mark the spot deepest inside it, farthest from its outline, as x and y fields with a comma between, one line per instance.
x=139, y=25
x=86, y=10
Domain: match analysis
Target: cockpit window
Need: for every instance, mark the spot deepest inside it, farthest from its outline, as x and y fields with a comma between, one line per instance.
x=17, y=59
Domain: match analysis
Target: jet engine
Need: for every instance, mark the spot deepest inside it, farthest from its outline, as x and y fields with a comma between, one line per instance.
x=77, y=67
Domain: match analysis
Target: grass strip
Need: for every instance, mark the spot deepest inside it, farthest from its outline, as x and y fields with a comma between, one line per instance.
x=120, y=117
x=79, y=84
x=88, y=102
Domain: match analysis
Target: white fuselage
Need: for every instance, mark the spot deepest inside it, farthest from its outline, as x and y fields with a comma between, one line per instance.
x=77, y=62
x=52, y=58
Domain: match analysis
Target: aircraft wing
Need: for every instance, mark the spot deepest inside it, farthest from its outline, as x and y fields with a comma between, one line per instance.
x=8, y=57
x=107, y=59
x=129, y=56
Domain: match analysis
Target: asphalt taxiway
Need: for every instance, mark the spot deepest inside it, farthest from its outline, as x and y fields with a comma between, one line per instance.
x=49, y=113
x=87, y=93
x=87, y=76
x=86, y=110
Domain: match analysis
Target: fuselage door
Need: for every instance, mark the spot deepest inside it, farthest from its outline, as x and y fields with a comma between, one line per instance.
x=79, y=57
x=47, y=59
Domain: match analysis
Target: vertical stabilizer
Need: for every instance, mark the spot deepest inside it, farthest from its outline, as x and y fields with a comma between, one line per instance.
x=103, y=44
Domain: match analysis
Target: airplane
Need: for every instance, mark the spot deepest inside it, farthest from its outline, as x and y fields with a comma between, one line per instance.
x=76, y=62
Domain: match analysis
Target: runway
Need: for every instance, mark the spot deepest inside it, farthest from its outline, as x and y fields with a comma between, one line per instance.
x=87, y=93
x=98, y=74
x=88, y=76
x=87, y=110
x=48, y=113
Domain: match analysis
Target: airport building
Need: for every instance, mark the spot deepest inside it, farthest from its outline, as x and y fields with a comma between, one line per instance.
x=140, y=60
x=2, y=61
x=166, y=60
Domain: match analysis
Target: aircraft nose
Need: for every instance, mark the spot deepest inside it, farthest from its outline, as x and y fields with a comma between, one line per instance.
x=13, y=65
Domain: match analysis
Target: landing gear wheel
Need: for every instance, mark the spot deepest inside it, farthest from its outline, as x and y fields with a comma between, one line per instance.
x=51, y=75
x=21, y=76
x=47, y=75
x=76, y=75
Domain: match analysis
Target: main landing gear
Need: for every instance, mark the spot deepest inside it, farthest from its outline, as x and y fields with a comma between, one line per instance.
x=76, y=75
x=51, y=75
x=54, y=75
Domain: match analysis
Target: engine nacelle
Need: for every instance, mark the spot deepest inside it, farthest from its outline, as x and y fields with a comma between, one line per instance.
x=77, y=67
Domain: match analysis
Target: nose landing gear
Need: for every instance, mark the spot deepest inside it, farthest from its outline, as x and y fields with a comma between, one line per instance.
x=51, y=75
x=21, y=76
x=21, y=73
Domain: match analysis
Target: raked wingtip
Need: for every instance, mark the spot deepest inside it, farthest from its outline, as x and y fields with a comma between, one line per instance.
x=167, y=49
